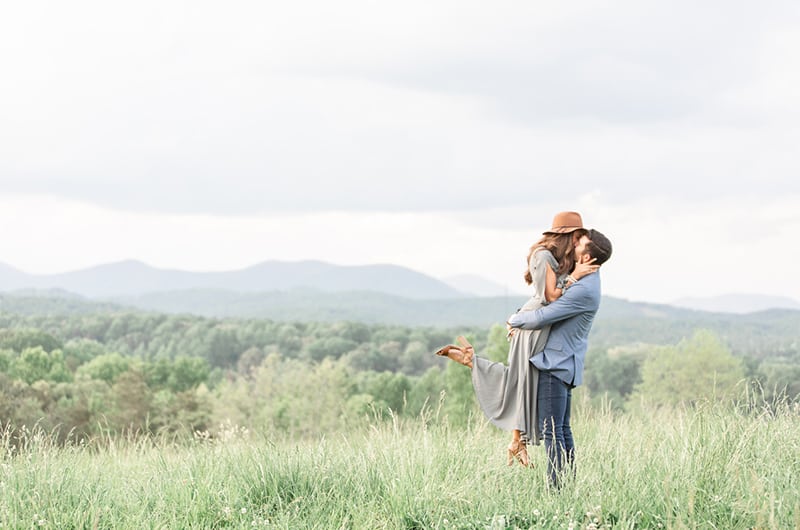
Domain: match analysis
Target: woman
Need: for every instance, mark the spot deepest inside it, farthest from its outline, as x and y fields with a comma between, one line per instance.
x=507, y=394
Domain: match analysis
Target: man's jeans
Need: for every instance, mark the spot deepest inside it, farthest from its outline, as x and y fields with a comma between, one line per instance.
x=554, y=402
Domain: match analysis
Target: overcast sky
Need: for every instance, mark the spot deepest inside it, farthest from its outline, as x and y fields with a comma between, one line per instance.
x=438, y=135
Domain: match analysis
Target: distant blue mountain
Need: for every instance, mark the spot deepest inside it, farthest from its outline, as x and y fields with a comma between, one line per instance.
x=134, y=278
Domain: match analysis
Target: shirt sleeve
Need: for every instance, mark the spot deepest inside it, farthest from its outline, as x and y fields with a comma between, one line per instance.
x=576, y=300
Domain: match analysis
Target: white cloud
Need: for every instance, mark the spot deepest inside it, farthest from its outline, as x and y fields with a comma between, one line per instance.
x=188, y=107
x=441, y=136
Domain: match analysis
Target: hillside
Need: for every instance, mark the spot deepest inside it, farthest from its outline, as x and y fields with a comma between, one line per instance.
x=619, y=322
x=32, y=302
x=737, y=303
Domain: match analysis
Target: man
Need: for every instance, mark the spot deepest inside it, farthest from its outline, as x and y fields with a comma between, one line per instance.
x=560, y=364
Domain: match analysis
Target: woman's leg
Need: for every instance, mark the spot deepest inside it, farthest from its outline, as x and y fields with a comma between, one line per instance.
x=517, y=450
x=552, y=403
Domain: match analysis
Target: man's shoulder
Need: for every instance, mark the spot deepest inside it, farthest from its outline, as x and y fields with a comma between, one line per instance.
x=587, y=287
x=593, y=277
x=589, y=283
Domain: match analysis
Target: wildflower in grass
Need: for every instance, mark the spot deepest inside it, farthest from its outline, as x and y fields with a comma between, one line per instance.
x=244, y=511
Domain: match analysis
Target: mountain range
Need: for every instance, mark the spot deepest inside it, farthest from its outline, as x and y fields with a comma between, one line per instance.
x=380, y=294
x=134, y=278
x=272, y=286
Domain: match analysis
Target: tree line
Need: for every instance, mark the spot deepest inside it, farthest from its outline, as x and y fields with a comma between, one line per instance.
x=109, y=374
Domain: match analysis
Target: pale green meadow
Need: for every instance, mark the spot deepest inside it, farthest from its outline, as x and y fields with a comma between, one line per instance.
x=707, y=467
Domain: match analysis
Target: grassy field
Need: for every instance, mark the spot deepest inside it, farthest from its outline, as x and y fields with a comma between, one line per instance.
x=705, y=468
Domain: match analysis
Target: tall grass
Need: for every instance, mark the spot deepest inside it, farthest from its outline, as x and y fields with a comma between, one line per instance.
x=707, y=467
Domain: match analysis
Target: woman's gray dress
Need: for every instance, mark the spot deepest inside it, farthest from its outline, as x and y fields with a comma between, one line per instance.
x=507, y=394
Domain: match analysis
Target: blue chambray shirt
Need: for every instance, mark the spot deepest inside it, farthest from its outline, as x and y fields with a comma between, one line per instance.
x=571, y=317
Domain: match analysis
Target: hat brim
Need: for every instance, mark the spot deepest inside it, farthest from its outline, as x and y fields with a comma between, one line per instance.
x=563, y=230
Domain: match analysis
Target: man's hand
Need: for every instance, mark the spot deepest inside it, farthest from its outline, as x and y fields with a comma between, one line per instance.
x=583, y=269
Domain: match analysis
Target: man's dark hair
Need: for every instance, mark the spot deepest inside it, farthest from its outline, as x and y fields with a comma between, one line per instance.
x=599, y=247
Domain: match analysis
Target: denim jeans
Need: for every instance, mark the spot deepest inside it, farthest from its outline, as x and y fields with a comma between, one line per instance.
x=554, y=404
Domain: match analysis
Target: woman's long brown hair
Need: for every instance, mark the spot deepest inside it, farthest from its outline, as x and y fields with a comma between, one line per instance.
x=561, y=247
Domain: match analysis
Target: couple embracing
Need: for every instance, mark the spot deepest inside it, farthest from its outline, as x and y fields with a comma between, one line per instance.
x=531, y=394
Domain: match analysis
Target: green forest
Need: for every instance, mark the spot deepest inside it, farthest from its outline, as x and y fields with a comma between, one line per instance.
x=79, y=375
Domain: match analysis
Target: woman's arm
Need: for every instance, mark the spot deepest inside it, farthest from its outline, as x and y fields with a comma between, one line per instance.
x=551, y=292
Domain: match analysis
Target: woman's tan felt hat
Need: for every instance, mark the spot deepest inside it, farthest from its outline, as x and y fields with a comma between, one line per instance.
x=565, y=222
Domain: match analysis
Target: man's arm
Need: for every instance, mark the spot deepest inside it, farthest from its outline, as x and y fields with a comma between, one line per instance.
x=578, y=299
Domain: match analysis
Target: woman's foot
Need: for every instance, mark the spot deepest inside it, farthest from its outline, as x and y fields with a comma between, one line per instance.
x=518, y=451
x=461, y=354
x=451, y=351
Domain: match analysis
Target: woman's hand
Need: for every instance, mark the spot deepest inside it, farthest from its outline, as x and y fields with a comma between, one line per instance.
x=510, y=330
x=582, y=269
